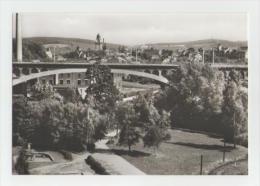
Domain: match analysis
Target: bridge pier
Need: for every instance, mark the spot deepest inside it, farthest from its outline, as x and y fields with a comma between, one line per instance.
x=21, y=71
x=118, y=78
x=227, y=74
x=56, y=79
x=160, y=72
x=30, y=70
x=17, y=72
x=246, y=74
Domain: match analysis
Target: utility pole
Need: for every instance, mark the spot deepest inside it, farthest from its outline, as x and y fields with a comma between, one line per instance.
x=201, y=164
x=54, y=55
x=213, y=59
x=203, y=56
x=234, y=128
x=136, y=55
x=19, y=45
x=224, y=151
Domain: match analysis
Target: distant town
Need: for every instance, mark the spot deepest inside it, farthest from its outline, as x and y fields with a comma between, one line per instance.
x=89, y=51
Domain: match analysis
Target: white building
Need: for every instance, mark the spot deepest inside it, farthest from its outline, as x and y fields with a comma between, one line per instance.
x=49, y=53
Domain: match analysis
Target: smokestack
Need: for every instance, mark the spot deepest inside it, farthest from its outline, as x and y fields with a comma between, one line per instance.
x=19, y=48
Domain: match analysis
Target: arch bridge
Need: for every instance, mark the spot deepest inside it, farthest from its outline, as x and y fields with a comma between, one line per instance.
x=25, y=71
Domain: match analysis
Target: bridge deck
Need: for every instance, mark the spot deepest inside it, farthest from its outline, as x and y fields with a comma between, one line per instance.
x=118, y=65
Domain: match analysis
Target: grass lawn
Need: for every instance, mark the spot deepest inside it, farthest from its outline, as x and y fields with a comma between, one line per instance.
x=181, y=154
x=232, y=168
x=131, y=88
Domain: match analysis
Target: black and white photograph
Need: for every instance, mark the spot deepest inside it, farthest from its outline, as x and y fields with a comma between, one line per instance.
x=101, y=94
x=129, y=93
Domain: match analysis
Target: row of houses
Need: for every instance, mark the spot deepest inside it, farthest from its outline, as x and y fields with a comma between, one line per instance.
x=147, y=54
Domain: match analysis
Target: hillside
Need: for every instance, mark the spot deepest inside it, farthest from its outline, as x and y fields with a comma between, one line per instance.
x=67, y=44
x=207, y=43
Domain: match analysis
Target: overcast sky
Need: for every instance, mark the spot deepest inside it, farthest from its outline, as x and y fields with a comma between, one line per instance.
x=137, y=29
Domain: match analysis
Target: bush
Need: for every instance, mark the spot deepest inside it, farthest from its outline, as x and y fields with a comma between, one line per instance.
x=21, y=165
x=18, y=140
x=110, y=141
x=67, y=155
x=96, y=166
x=242, y=139
x=91, y=147
x=167, y=137
x=153, y=137
x=49, y=124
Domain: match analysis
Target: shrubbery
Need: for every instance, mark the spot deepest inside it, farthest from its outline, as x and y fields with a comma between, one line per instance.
x=91, y=147
x=51, y=124
x=96, y=166
x=141, y=120
x=200, y=98
x=66, y=154
x=69, y=123
x=21, y=165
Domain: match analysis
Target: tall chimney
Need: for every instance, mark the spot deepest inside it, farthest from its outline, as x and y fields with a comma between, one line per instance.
x=19, y=47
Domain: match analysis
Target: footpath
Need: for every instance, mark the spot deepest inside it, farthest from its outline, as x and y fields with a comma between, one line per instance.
x=114, y=164
x=77, y=166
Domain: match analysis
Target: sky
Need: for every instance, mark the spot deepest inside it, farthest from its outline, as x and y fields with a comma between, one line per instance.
x=136, y=29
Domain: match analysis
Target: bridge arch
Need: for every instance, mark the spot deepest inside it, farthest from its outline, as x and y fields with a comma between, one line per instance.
x=35, y=70
x=31, y=76
x=141, y=74
x=17, y=72
x=155, y=72
x=26, y=71
x=147, y=71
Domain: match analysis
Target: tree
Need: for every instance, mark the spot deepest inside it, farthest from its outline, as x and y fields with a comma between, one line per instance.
x=104, y=46
x=163, y=125
x=153, y=137
x=101, y=90
x=49, y=117
x=70, y=95
x=129, y=133
x=141, y=107
x=200, y=98
x=42, y=91
x=121, y=49
x=20, y=112
x=101, y=128
x=234, y=116
x=166, y=53
x=147, y=114
x=194, y=98
x=80, y=123
x=51, y=124
x=129, y=136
